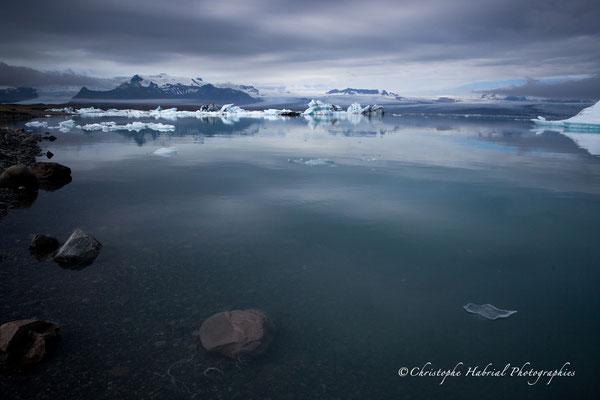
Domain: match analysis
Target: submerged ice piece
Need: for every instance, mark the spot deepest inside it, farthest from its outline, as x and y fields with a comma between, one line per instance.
x=166, y=151
x=488, y=311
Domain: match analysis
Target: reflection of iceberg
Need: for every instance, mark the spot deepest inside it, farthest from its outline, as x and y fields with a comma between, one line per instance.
x=488, y=311
x=133, y=126
x=586, y=140
x=588, y=120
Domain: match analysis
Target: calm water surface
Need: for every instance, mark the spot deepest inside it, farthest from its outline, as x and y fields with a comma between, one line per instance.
x=364, y=257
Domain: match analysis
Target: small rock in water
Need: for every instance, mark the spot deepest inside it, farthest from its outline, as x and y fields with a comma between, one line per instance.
x=49, y=154
x=237, y=333
x=488, y=311
x=79, y=251
x=41, y=246
x=26, y=343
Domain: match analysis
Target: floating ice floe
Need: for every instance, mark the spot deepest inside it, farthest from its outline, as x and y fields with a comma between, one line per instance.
x=166, y=151
x=317, y=107
x=132, y=126
x=169, y=113
x=36, y=124
x=588, y=120
x=312, y=161
x=488, y=311
x=65, y=126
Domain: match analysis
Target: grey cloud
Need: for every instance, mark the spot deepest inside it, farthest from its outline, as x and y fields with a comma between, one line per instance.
x=29, y=77
x=588, y=88
x=545, y=35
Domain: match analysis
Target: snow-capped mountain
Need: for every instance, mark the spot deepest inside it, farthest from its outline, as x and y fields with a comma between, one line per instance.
x=351, y=91
x=164, y=86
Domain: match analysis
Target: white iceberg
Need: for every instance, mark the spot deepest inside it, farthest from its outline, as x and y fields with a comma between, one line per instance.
x=355, y=108
x=317, y=107
x=166, y=151
x=588, y=120
x=488, y=311
x=36, y=124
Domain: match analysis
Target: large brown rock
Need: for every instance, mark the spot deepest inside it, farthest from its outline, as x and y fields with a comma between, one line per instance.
x=79, y=251
x=19, y=176
x=51, y=175
x=25, y=343
x=237, y=333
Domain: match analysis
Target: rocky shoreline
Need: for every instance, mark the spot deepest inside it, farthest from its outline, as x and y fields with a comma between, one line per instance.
x=16, y=147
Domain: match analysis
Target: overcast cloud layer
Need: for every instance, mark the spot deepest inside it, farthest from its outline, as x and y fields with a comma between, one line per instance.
x=411, y=47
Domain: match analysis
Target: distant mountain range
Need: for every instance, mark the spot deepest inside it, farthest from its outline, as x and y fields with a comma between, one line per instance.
x=351, y=91
x=13, y=95
x=163, y=86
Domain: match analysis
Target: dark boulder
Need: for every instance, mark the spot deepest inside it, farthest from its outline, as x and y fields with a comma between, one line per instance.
x=26, y=343
x=41, y=246
x=19, y=177
x=237, y=333
x=79, y=251
x=51, y=176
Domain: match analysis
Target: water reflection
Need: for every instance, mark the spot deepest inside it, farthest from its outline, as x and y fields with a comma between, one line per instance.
x=362, y=238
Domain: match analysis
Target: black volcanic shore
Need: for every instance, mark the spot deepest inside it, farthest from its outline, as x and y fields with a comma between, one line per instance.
x=16, y=147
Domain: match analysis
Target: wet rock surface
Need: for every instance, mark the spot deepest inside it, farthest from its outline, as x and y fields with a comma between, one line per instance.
x=25, y=343
x=51, y=175
x=16, y=148
x=19, y=177
x=42, y=246
x=237, y=333
x=79, y=251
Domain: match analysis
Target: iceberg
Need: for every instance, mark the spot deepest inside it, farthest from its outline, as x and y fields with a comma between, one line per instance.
x=317, y=107
x=588, y=120
x=166, y=151
x=488, y=311
x=36, y=124
x=355, y=108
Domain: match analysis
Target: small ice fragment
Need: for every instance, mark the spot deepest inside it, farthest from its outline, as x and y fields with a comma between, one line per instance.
x=36, y=124
x=166, y=151
x=65, y=126
x=488, y=311
x=318, y=161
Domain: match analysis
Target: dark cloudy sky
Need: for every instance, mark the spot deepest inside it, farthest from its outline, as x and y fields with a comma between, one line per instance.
x=411, y=47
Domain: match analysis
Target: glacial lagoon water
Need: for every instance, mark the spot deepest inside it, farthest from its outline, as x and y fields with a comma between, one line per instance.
x=362, y=239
